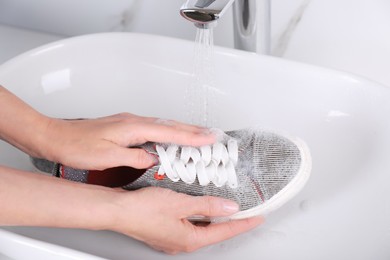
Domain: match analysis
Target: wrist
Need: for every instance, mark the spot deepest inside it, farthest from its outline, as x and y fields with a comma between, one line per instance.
x=54, y=202
x=47, y=139
x=40, y=143
x=20, y=124
x=53, y=138
x=105, y=213
x=120, y=209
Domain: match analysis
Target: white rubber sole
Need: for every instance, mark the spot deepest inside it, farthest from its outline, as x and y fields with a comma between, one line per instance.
x=279, y=199
x=287, y=193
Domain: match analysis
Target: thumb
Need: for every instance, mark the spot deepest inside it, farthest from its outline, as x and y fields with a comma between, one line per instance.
x=136, y=158
x=211, y=206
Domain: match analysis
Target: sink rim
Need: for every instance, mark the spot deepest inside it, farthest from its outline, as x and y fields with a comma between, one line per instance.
x=219, y=50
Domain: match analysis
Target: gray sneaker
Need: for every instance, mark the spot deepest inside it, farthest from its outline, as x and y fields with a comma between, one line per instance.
x=260, y=170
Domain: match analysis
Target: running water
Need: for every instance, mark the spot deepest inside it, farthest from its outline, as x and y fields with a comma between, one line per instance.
x=200, y=95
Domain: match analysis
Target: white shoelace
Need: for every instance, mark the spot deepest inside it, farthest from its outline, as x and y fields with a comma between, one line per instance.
x=214, y=163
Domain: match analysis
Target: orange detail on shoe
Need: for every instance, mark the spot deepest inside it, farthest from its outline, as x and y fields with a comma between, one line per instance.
x=158, y=176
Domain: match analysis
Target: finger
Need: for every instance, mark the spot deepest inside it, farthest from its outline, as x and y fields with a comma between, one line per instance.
x=153, y=120
x=209, y=206
x=168, y=134
x=134, y=157
x=181, y=126
x=215, y=233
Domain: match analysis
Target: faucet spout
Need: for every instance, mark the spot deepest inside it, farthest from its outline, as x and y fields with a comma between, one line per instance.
x=204, y=13
x=251, y=20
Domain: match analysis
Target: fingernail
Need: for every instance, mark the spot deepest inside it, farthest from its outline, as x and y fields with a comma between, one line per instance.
x=230, y=207
x=155, y=158
x=217, y=133
x=206, y=131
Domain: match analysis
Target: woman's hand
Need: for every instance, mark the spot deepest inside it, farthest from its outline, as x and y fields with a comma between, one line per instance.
x=93, y=144
x=155, y=216
x=158, y=217
x=97, y=144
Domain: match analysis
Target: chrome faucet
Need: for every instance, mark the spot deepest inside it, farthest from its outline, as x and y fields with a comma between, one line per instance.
x=251, y=20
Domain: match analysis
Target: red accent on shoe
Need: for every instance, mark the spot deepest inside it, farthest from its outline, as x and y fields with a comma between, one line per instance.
x=159, y=177
x=62, y=171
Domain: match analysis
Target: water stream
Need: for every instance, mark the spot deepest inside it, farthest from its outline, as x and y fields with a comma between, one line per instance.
x=201, y=98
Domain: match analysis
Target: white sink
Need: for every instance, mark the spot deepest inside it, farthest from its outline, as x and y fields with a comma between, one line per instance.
x=342, y=213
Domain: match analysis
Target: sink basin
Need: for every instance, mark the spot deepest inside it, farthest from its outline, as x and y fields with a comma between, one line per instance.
x=342, y=213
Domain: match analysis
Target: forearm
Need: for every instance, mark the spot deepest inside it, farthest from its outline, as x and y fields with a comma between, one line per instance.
x=21, y=125
x=30, y=199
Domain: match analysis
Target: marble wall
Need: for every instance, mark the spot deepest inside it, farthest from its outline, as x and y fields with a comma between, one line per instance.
x=349, y=35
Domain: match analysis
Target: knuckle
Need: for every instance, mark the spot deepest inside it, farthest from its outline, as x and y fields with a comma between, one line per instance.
x=189, y=249
x=209, y=205
x=232, y=230
x=126, y=118
x=166, y=193
x=166, y=122
x=126, y=114
x=190, y=245
x=168, y=251
x=121, y=115
x=142, y=158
